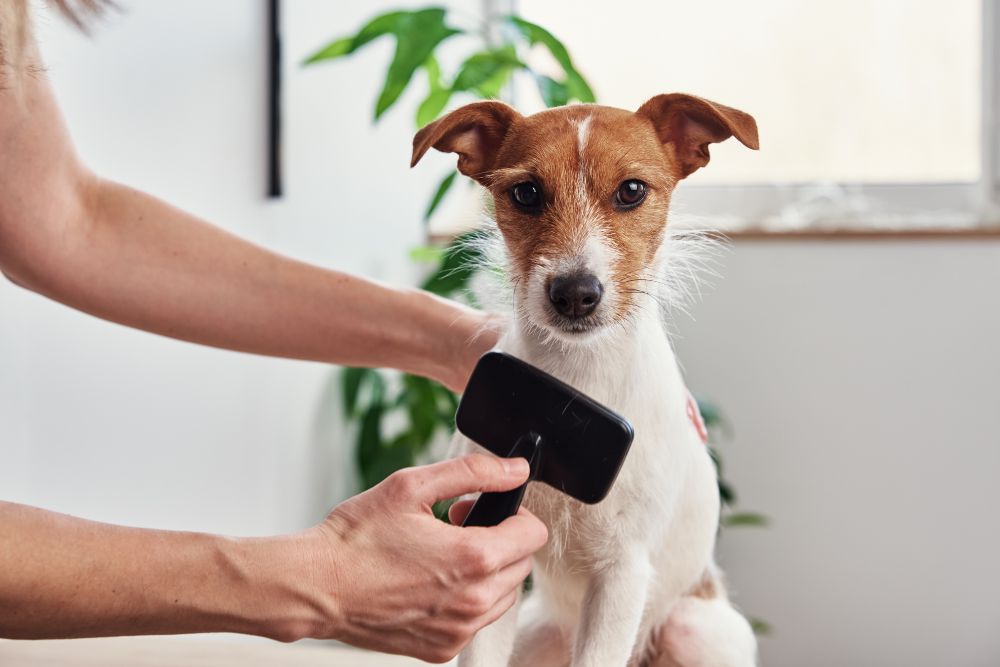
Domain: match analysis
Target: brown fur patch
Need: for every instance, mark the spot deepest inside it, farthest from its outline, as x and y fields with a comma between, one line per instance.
x=709, y=587
x=619, y=146
x=579, y=178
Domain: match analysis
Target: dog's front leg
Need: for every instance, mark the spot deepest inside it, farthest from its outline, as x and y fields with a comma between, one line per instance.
x=492, y=646
x=612, y=612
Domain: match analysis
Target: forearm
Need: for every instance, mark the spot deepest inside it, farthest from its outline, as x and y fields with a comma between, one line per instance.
x=125, y=256
x=145, y=264
x=61, y=576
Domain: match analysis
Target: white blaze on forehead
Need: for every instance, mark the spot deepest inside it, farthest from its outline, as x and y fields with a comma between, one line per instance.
x=594, y=254
x=582, y=129
x=599, y=256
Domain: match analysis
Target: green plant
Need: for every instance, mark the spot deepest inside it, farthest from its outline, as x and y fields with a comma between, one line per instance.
x=422, y=408
x=721, y=430
x=483, y=73
x=374, y=399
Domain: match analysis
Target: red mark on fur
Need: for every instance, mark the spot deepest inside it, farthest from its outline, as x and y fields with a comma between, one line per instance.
x=694, y=414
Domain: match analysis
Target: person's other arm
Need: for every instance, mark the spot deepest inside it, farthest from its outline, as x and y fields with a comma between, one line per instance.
x=125, y=256
x=381, y=572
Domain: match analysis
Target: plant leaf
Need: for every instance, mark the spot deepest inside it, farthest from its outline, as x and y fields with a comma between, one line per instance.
x=438, y=95
x=744, y=519
x=553, y=93
x=421, y=406
x=493, y=86
x=442, y=190
x=726, y=493
x=481, y=67
x=377, y=27
x=433, y=69
x=710, y=413
x=418, y=33
x=460, y=261
x=441, y=507
x=392, y=456
x=369, y=442
x=351, y=380
x=576, y=84
x=432, y=106
x=427, y=254
x=760, y=626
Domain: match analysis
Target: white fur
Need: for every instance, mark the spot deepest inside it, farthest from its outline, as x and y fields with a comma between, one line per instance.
x=615, y=572
x=708, y=633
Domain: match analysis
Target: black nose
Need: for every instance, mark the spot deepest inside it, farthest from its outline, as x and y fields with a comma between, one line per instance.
x=575, y=295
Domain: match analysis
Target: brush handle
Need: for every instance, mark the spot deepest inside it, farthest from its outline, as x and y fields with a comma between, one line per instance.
x=492, y=507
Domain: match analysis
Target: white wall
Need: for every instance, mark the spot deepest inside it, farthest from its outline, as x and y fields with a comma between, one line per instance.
x=124, y=426
x=862, y=378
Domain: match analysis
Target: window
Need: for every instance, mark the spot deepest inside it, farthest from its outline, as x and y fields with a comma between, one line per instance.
x=873, y=115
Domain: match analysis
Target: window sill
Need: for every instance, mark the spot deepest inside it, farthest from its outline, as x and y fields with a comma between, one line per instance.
x=986, y=233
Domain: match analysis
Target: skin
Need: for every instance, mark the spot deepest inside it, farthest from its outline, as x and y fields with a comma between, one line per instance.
x=380, y=571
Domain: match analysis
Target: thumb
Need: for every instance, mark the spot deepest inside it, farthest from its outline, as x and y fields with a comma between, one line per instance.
x=468, y=474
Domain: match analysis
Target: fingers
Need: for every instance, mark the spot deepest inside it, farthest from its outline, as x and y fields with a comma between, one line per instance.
x=459, y=510
x=455, y=477
x=514, y=539
x=500, y=608
x=512, y=577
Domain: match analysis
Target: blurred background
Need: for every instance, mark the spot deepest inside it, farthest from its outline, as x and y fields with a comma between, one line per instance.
x=850, y=340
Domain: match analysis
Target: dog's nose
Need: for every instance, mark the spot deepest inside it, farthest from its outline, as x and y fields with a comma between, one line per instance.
x=575, y=295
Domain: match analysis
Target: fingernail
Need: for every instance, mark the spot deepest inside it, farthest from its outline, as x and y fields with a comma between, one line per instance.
x=518, y=466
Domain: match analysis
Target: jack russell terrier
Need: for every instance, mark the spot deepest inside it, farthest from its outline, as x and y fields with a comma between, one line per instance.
x=581, y=197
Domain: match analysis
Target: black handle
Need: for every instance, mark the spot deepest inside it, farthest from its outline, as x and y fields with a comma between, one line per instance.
x=493, y=507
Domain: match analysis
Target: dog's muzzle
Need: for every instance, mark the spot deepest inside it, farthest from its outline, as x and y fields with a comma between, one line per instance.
x=575, y=295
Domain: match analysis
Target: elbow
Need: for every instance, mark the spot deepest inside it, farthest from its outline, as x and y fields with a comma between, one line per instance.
x=9, y=275
x=19, y=261
x=13, y=261
x=36, y=250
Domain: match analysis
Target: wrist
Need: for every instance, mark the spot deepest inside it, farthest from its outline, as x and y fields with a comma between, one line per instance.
x=457, y=336
x=280, y=590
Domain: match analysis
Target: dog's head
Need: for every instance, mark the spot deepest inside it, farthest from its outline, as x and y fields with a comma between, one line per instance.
x=582, y=193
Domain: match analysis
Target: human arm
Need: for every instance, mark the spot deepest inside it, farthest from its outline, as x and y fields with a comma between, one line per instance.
x=123, y=255
x=380, y=572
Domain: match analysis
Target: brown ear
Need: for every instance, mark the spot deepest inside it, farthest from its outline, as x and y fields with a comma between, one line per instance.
x=474, y=131
x=688, y=124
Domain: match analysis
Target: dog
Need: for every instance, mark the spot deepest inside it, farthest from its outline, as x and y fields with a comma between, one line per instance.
x=581, y=196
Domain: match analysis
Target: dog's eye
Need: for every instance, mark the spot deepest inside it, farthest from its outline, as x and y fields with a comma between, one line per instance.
x=526, y=195
x=630, y=194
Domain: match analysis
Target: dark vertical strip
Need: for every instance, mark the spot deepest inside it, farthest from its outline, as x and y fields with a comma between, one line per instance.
x=274, y=188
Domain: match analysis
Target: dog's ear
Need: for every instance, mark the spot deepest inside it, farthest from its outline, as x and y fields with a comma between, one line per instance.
x=687, y=125
x=474, y=131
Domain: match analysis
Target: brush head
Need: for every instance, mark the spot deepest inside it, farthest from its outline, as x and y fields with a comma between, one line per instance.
x=583, y=444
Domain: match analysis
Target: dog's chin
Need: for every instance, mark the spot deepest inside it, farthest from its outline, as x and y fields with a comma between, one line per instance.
x=575, y=332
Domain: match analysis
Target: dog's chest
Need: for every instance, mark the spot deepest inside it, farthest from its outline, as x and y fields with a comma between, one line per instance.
x=583, y=537
x=646, y=388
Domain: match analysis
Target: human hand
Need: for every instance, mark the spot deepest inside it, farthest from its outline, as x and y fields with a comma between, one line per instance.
x=401, y=581
x=475, y=334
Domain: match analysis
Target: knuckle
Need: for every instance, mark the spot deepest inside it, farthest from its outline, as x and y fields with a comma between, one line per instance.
x=479, y=561
x=477, y=602
x=461, y=642
x=438, y=655
x=541, y=533
x=401, y=484
x=482, y=467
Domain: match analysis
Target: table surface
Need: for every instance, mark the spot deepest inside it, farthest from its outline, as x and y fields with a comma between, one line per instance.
x=187, y=651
